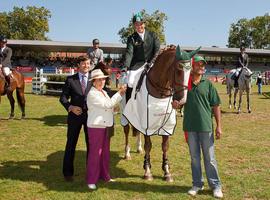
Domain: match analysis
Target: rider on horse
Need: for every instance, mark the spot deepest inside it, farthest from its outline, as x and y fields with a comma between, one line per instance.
x=142, y=46
x=242, y=62
x=5, y=62
x=95, y=53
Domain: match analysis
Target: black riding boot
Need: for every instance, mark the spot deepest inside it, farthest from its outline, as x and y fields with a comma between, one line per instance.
x=236, y=81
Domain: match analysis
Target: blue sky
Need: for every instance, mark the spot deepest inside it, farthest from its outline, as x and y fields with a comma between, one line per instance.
x=190, y=23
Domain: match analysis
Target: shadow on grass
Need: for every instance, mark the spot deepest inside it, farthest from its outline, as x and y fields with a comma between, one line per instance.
x=265, y=98
x=49, y=173
x=145, y=187
x=51, y=120
x=229, y=112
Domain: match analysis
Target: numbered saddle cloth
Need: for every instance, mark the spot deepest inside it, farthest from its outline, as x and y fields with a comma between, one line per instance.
x=148, y=114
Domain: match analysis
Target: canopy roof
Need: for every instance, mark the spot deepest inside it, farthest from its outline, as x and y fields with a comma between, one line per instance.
x=118, y=48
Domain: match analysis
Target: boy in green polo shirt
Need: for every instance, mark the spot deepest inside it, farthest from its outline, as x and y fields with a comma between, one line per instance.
x=202, y=99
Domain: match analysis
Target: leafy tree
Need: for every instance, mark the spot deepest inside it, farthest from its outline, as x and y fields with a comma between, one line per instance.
x=254, y=33
x=25, y=24
x=3, y=23
x=153, y=22
x=260, y=31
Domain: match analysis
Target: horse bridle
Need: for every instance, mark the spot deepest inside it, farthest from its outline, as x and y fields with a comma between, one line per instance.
x=175, y=83
x=160, y=90
x=172, y=90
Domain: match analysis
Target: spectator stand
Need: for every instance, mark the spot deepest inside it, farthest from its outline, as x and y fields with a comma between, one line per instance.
x=27, y=71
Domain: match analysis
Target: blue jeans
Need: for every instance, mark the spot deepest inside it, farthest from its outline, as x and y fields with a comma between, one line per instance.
x=259, y=88
x=204, y=141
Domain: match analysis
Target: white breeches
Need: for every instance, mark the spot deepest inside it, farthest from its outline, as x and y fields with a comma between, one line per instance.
x=6, y=71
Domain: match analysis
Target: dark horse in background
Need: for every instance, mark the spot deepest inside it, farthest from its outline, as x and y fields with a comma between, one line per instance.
x=16, y=83
x=151, y=112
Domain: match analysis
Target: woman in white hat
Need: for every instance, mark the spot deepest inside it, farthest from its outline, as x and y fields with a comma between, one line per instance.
x=100, y=116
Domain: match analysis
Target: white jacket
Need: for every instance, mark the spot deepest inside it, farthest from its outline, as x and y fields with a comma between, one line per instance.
x=100, y=108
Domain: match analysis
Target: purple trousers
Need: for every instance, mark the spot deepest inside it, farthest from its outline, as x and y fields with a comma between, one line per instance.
x=98, y=162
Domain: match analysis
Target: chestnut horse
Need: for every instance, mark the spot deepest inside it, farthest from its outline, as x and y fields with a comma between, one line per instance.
x=16, y=83
x=149, y=109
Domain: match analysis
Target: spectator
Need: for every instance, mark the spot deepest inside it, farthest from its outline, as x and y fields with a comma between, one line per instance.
x=259, y=83
x=100, y=116
x=117, y=77
x=202, y=101
x=73, y=98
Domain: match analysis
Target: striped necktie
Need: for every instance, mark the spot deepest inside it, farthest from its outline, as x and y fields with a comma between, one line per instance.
x=83, y=83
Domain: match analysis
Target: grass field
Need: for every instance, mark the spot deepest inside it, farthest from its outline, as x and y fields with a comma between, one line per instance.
x=31, y=153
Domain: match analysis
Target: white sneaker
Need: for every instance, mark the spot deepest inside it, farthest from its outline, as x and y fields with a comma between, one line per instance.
x=194, y=190
x=218, y=193
x=92, y=186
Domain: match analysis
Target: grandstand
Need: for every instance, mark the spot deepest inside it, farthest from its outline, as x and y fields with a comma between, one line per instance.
x=55, y=54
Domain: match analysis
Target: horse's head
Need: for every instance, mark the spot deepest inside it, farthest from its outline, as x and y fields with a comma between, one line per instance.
x=106, y=69
x=170, y=73
x=182, y=72
x=246, y=73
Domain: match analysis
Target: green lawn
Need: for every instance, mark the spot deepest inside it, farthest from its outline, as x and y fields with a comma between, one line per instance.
x=31, y=153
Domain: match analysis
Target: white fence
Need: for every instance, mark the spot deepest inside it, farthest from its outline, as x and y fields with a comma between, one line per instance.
x=40, y=80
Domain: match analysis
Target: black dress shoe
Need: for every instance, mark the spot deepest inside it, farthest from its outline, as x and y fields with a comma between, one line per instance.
x=68, y=178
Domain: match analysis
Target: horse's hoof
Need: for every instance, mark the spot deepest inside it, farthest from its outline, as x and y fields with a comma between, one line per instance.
x=148, y=177
x=168, y=178
x=139, y=150
x=11, y=117
x=22, y=117
x=249, y=111
x=127, y=157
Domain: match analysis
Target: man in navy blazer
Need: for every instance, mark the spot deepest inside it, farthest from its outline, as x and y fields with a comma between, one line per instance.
x=73, y=98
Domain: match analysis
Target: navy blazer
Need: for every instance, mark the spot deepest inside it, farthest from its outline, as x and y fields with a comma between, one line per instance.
x=72, y=92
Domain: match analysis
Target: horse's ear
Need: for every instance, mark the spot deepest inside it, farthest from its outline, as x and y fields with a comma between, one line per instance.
x=178, y=53
x=192, y=53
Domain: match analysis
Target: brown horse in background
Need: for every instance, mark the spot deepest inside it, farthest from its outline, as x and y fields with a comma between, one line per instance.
x=16, y=83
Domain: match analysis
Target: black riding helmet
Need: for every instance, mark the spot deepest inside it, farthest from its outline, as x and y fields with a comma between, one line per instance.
x=3, y=39
x=95, y=41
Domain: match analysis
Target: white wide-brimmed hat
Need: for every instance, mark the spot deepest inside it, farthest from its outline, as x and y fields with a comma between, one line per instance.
x=97, y=73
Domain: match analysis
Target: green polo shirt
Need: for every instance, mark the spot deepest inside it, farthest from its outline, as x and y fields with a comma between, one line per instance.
x=198, y=108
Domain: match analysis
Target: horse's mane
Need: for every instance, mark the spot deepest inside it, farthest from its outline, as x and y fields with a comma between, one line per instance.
x=103, y=67
x=165, y=50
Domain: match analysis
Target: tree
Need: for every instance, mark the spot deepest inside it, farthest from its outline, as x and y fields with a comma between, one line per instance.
x=153, y=22
x=260, y=31
x=25, y=24
x=254, y=33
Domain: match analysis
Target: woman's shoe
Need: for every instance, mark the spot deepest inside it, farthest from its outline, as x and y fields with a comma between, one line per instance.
x=92, y=186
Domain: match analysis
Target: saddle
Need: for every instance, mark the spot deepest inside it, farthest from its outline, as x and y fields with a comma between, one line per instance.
x=147, y=66
x=1, y=74
x=10, y=77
